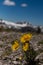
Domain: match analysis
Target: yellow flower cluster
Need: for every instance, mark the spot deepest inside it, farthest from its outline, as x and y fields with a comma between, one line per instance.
x=15, y=46
x=26, y=37
x=23, y=39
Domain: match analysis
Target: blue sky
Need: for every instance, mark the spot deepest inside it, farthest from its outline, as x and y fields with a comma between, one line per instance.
x=22, y=10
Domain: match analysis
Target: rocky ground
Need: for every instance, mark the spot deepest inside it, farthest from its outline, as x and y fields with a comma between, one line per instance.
x=37, y=44
x=8, y=57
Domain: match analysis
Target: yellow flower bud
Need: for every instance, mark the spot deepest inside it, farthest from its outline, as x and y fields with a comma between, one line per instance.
x=25, y=37
x=26, y=46
x=15, y=46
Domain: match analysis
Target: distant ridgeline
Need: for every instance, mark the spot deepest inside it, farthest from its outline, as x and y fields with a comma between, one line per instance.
x=19, y=26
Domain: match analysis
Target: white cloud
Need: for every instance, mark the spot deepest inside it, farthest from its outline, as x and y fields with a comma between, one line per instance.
x=9, y=3
x=24, y=5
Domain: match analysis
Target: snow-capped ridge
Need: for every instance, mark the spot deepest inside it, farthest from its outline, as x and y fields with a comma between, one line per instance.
x=14, y=24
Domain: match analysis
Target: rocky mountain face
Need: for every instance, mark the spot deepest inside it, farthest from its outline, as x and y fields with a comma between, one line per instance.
x=20, y=26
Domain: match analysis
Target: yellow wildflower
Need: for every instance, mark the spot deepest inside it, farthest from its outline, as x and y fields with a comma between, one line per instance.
x=26, y=37
x=26, y=46
x=15, y=46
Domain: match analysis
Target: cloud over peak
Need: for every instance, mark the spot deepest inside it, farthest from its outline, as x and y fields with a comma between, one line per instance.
x=9, y=3
x=24, y=5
